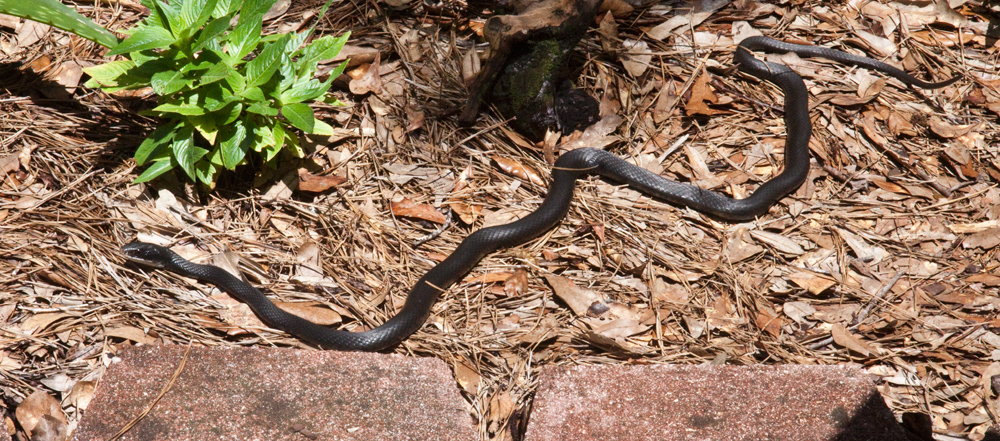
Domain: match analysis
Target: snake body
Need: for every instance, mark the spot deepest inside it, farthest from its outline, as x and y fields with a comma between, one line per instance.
x=568, y=168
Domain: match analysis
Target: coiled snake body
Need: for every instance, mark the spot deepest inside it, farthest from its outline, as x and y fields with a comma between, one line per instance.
x=568, y=168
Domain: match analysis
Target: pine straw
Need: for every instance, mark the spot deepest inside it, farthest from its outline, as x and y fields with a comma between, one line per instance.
x=67, y=210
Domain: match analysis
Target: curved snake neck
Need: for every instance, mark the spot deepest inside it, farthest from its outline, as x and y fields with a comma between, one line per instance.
x=568, y=168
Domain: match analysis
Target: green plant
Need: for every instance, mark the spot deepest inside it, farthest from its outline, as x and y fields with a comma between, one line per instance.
x=224, y=90
x=60, y=16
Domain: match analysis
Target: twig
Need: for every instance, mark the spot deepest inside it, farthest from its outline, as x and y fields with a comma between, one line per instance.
x=435, y=233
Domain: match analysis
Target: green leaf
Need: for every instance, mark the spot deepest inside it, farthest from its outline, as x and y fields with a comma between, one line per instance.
x=321, y=128
x=198, y=11
x=226, y=7
x=58, y=15
x=107, y=74
x=323, y=48
x=305, y=90
x=262, y=67
x=147, y=37
x=257, y=7
x=185, y=152
x=183, y=109
x=168, y=82
x=300, y=115
x=205, y=125
x=262, y=109
x=211, y=30
x=206, y=172
x=253, y=94
x=218, y=72
x=174, y=22
x=245, y=36
x=158, y=168
x=154, y=143
x=234, y=144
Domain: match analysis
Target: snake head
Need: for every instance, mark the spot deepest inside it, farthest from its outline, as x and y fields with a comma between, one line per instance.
x=148, y=254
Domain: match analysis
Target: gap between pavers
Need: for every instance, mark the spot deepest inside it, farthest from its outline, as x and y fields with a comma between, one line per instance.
x=270, y=394
x=730, y=403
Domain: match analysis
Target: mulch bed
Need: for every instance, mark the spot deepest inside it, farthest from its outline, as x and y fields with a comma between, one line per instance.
x=885, y=257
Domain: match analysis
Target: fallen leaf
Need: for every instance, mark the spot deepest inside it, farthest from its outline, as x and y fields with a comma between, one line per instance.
x=812, y=282
x=408, y=208
x=778, y=242
x=517, y=283
x=701, y=96
x=81, y=394
x=318, y=184
x=797, y=311
x=366, y=78
x=130, y=333
x=34, y=408
x=636, y=57
x=519, y=170
x=843, y=338
x=582, y=301
x=467, y=377
x=314, y=312
x=768, y=322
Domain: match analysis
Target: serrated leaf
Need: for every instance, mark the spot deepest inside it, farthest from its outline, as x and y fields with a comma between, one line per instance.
x=211, y=30
x=107, y=74
x=182, y=109
x=174, y=21
x=154, y=143
x=156, y=169
x=253, y=94
x=299, y=115
x=323, y=48
x=197, y=13
x=185, y=152
x=262, y=67
x=234, y=144
x=168, y=82
x=224, y=7
x=305, y=90
x=147, y=37
x=245, y=36
x=206, y=172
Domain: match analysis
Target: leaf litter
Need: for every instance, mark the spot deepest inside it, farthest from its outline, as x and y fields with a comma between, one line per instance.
x=885, y=257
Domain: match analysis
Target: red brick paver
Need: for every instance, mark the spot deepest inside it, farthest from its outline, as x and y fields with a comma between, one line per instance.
x=673, y=402
x=277, y=394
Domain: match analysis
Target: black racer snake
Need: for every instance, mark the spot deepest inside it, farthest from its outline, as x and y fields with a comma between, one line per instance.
x=568, y=168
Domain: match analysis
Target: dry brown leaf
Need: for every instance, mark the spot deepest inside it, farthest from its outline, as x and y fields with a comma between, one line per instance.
x=366, y=78
x=501, y=407
x=41, y=321
x=314, y=312
x=408, y=208
x=722, y=315
x=517, y=283
x=768, y=322
x=34, y=408
x=467, y=377
x=582, y=301
x=519, y=170
x=812, y=282
x=468, y=213
x=318, y=184
x=778, y=242
x=701, y=96
x=945, y=130
x=798, y=311
x=130, y=333
x=82, y=394
x=843, y=338
x=637, y=57
x=986, y=240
